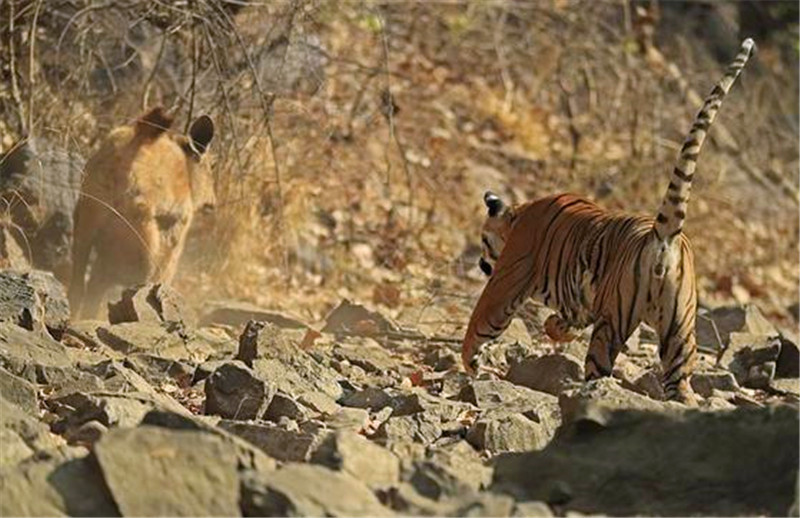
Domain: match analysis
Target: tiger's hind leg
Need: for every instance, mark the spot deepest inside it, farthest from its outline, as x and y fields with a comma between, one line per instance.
x=678, y=352
x=603, y=350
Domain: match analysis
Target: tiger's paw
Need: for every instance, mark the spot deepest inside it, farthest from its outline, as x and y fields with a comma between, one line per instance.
x=557, y=329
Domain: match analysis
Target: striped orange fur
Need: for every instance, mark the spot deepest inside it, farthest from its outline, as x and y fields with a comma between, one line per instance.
x=612, y=270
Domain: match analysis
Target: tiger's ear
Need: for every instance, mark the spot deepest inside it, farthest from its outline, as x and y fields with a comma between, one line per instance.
x=493, y=203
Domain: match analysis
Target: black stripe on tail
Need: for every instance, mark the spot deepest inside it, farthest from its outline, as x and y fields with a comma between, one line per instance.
x=672, y=213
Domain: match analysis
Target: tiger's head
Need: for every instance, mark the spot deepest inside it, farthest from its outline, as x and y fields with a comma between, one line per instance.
x=499, y=218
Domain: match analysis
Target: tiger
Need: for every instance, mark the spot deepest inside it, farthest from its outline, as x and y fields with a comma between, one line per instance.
x=612, y=270
x=138, y=198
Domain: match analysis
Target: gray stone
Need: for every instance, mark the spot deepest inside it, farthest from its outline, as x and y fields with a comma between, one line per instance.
x=175, y=472
x=504, y=432
x=487, y=504
x=40, y=183
x=235, y=313
x=704, y=383
x=734, y=463
x=441, y=359
x=714, y=327
x=418, y=427
x=26, y=354
x=592, y=403
x=233, y=391
x=352, y=453
x=533, y=510
x=369, y=397
x=552, y=373
x=57, y=486
x=746, y=351
x=367, y=354
x=350, y=318
x=788, y=362
x=157, y=370
x=650, y=385
x=22, y=435
x=308, y=490
x=149, y=303
x=34, y=300
x=86, y=434
x=353, y=419
x=274, y=440
x=19, y=392
x=285, y=406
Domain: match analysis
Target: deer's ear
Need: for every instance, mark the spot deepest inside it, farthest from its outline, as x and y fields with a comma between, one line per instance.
x=493, y=203
x=200, y=134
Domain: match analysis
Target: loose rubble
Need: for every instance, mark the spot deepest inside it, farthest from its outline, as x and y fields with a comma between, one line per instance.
x=250, y=418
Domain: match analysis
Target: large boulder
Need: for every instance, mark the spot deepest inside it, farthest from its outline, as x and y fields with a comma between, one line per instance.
x=149, y=303
x=552, y=373
x=40, y=183
x=741, y=462
x=152, y=471
x=234, y=391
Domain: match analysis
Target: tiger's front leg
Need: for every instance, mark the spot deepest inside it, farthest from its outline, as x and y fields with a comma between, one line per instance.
x=603, y=351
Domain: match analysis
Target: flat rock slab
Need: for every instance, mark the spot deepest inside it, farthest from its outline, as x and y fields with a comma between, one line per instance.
x=308, y=490
x=19, y=391
x=552, y=373
x=234, y=313
x=152, y=471
x=25, y=354
x=277, y=442
x=741, y=462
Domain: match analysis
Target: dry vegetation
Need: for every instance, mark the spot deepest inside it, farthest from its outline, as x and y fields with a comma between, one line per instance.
x=355, y=138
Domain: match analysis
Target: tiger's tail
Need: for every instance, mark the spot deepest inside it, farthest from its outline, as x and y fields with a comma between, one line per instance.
x=671, y=215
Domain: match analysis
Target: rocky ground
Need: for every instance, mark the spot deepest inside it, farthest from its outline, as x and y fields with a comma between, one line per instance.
x=242, y=411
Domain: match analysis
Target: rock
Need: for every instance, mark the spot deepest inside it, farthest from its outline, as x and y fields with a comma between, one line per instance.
x=178, y=472
x=370, y=397
x=149, y=303
x=504, y=432
x=592, y=403
x=552, y=373
x=751, y=358
x=285, y=406
x=111, y=409
x=704, y=383
x=650, y=385
x=274, y=440
x=233, y=391
x=308, y=490
x=351, y=453
x=248, y=342
x=441, y=359
x=19, y=392
x=12, y=255
x=234, y=313
x=487, y=394
x=86, y=434
x=319, y=402
x=22, y=435
x=28, y=355
x=715, y=326
x=353, y=419
x=734, y=463
x=487, y=504
x=249, y=456
x=418, y=427
x=34, y=300
x=56, y=486
x=533, y=509
x=157, y=370
x=40, y=183
x=788, y=362
x=161, y=339
x=291, y=369
x=367, y=354
x=349, y=318
x=455, y=471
